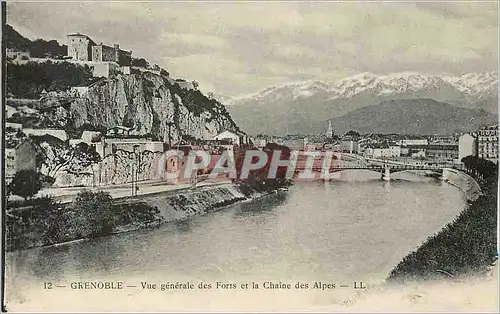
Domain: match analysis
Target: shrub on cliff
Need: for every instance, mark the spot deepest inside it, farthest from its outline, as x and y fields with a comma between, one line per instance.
x=52, y=223
x=29, y=80
x=140, y=62
x=93, y=214
x=26, y=183
x=136, y=213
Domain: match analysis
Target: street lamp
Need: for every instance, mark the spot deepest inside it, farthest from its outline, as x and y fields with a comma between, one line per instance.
x=134, y=171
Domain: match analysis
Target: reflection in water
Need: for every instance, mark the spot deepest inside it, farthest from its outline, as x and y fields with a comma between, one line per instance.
x=330, y=231
x=185, y=225
x=265, y=204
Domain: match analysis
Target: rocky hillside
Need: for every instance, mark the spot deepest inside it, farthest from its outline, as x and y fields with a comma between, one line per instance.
x=298, y=107
x=411, y=116
x=150, y=103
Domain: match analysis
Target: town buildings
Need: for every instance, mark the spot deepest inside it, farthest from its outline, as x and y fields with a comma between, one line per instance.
x=314, y=146
x=406, y=142
x=329, y=131
x=349, y=146
x=16, y=56
x=444, y=138
x=487, y=143
x=295, y=143
x=259, y=142
x=442, y=152
x=436, y=152
x=383, y=150
x=22, y=157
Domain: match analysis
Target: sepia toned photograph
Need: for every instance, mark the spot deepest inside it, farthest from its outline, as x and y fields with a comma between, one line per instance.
x=250, y=156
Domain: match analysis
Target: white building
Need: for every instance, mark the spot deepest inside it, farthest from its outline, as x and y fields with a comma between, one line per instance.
x=228, y=136
x=466, y=146
x=349, y=146
x=375, y=151
x=413, y=142
x=16, y=126
x=296, y=144
x=260, y=142
x=395, y=150
x=88, y=137
x=60, y=134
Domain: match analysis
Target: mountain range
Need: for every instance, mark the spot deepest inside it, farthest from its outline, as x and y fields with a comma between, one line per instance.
x=411, y=116
x=300, y=107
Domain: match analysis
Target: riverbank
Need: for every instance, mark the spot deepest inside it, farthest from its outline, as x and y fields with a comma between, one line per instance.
x=306, y=234
x=465, y=247
x=52, y=223
x=467, y=184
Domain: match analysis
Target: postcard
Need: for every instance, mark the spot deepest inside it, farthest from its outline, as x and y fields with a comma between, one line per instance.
x=250, y=156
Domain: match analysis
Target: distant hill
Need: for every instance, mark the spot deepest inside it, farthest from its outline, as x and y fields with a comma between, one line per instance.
x=297, y=107
x=38, y=48
x=410, y=116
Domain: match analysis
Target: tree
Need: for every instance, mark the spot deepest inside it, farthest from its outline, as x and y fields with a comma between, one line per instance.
x=26, y=183
x=93, y=214
x=140, y=62
x=124, y=59
x=84, y=156
x=353, y=134
x=164, y=72
x=480, y=167
x=468, y=162
x=53, y=223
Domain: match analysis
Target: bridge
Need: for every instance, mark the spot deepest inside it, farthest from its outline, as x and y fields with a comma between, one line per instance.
x=387, y=169
x=384, y=167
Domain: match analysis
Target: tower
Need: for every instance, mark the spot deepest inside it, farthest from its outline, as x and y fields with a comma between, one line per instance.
x=329, y=132
x=80, y=47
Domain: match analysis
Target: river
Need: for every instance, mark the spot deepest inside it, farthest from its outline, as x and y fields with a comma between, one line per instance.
x=353, y=230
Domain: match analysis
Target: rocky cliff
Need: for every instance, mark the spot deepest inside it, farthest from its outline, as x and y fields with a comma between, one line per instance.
x=152, y=104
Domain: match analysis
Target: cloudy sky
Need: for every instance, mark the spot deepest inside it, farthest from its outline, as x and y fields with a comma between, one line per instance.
x=235, y=48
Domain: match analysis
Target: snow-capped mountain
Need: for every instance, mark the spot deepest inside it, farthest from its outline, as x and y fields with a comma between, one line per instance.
x=297, y=106
x=472, y=84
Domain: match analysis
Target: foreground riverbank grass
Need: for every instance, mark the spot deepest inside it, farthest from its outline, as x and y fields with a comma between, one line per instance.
x=466, y=246
x=91, y=215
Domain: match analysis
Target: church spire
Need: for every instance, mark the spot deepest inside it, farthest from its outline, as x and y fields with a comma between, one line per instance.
x=329, y=132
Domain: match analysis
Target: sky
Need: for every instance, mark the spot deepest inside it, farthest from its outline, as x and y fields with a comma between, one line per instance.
x=234, y=48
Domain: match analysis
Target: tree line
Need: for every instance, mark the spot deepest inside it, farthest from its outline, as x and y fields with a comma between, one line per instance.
x=480, y=167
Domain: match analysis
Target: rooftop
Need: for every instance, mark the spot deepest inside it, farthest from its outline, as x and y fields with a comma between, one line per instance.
x=491, y=127
x=77, y=35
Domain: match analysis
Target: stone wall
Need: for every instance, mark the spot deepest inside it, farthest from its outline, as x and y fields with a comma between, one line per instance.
x=463, y=181
x=188, y=203
x=114, y=169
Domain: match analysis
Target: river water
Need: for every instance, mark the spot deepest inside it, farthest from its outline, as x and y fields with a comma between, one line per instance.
x=353, y=230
